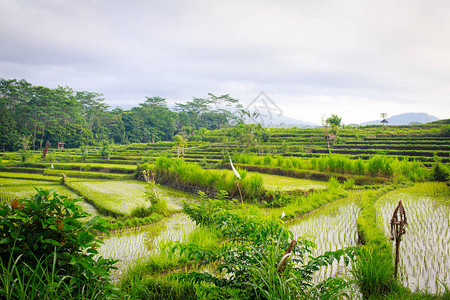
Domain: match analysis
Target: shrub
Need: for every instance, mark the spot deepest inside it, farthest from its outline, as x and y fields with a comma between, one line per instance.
x=46, y=235
x=252, y=262
x=440, y=173
x=140, y=212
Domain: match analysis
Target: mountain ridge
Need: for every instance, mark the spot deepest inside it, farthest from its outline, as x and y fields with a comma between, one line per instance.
x=405, y=119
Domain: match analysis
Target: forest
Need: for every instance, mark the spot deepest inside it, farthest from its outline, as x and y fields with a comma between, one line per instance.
x=38, y=114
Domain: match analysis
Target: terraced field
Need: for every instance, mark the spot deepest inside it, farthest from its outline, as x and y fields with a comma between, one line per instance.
x=338, y=191
x=425, y=248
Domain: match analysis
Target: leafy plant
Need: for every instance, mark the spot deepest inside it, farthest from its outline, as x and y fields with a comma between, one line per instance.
x=253, y=261
x=44, y=233
x=440, y=173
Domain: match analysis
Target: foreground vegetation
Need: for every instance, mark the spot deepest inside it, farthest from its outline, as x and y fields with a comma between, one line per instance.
x=230, y=241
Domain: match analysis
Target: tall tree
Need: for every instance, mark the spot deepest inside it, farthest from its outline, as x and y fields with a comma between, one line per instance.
x=8, y=133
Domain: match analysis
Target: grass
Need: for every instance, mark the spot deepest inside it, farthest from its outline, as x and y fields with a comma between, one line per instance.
x=121, y=197
x=85, y=174
x=179, y=173
x=376, y=166
x=374, y=269
x=115, y=197
x=306, y=203
x=41, y=282
x=21, y=188
x=283, y=183
x=39, y=177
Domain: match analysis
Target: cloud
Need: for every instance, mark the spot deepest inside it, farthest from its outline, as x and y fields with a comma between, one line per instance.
x=350, y=57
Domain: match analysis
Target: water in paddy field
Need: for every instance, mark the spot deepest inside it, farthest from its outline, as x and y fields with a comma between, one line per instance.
x=425, y=247
x=330, y=228
x=133, y=246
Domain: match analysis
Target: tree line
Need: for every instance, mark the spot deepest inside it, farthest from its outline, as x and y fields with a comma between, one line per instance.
x=37, y=114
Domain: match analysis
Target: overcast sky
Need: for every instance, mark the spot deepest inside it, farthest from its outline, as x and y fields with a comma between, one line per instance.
x=312, y=58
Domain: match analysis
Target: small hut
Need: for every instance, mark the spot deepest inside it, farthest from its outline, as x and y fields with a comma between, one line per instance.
x=330, y=139
x=60, y=145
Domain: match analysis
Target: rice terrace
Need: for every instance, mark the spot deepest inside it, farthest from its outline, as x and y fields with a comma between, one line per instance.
x=153, y=203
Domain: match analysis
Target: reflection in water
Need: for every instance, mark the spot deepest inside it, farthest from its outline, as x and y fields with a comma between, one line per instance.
x=329, y=229
x=137, y=245
x=425, y=247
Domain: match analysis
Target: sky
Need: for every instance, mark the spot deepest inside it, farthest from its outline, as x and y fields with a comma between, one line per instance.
x=353, y=58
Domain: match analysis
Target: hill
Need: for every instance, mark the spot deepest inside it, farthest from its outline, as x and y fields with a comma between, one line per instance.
x=405, y=119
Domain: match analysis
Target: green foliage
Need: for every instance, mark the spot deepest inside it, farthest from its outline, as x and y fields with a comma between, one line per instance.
x=105, y=151
x=8, y=133
x=440, y=173
x=251, y=259
x=349, y=183
x=335, y=120
x=25, y=155
x=333, y=183
x=374, y=270
x=44, y=233
x=84, y=152
x=162, y=288
x=445, y=130
x=182, y=173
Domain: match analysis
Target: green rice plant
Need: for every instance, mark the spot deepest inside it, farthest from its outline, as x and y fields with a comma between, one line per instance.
x=307, y=203
x=284, y=183
x=349, y=183
x=161, y=288
x=180, y=172
x=252, y=187
x=333, y=183
x=85, y=174
x=373, y=275
x=28, y=176
x=360, y=167
x=267, y=160
x=374, y=271
x=421, y=262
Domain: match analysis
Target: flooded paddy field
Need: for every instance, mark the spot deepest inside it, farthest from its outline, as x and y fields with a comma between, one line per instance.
x=132, y=246
x=425, y=247
x=21, y=188
x=124, y=196
x=284, y=183
x=330, y=227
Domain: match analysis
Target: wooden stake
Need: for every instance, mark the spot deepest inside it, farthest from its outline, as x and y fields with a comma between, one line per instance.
x=240, y=193
x=398, y=223
x=282, y=266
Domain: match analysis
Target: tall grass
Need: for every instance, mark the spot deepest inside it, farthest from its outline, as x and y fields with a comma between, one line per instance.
x=176, y=171
x=374, y=270
x=22, y=281
x=378, y=165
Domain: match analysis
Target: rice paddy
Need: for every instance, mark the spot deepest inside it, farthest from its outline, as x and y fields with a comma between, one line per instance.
x=124, y=196
x=283, y=183
x=137, y=245
x=326, y=217
x=331, y=227
x=425, y=247
x=17, y=188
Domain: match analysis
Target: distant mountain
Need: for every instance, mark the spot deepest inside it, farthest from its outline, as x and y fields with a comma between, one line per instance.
x=405, y=119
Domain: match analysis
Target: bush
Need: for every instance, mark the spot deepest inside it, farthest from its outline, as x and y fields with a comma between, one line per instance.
x=44, y=233
x=252, y=262
x=140, y=212
x=440, y=173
